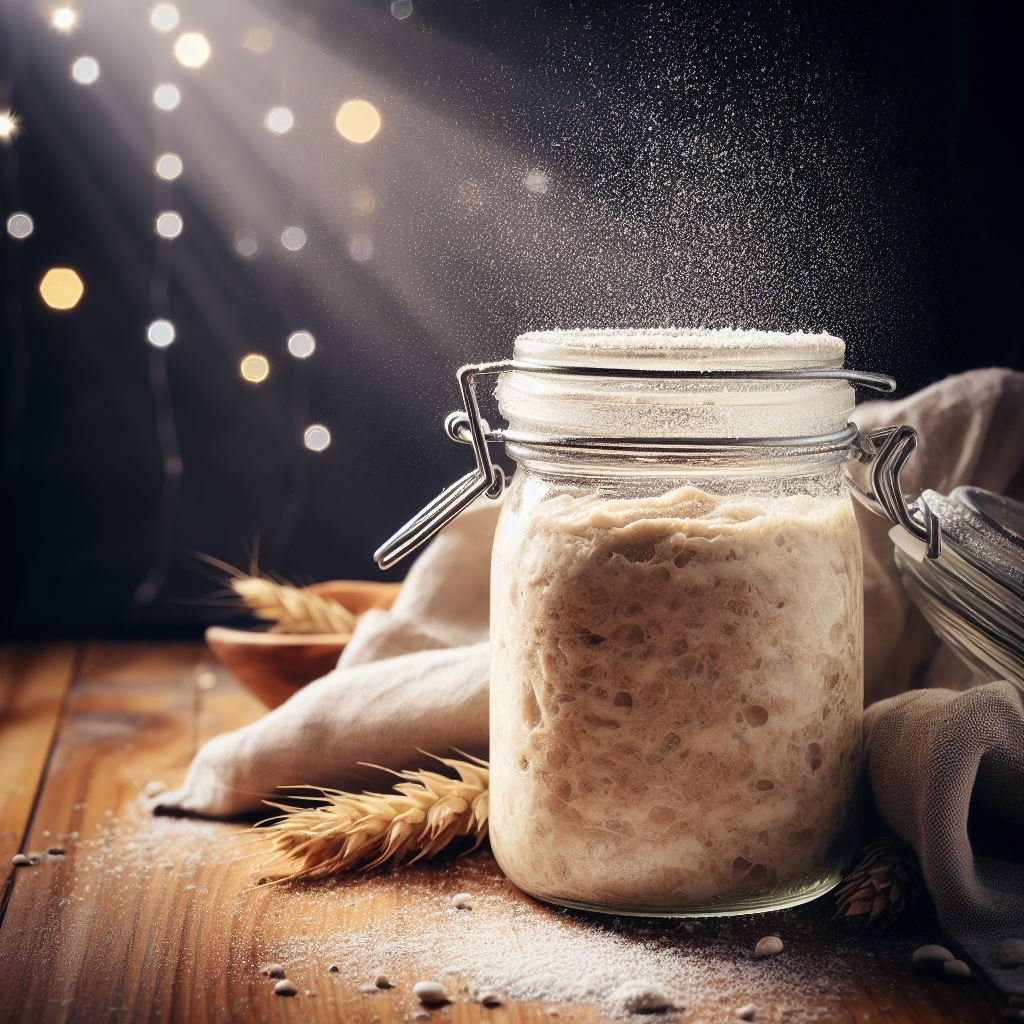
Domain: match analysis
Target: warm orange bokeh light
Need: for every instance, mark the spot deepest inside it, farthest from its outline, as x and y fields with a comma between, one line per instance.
x=61, y=288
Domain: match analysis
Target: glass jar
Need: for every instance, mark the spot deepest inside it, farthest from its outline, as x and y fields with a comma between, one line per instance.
x=676, y=618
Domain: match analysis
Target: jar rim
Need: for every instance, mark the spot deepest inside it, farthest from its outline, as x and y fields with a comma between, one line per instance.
x=680, y=348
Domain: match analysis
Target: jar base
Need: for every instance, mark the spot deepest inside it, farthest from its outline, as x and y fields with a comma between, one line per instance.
x=750, y=906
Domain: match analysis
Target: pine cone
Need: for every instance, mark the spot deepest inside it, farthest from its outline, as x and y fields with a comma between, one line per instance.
x=885, y=880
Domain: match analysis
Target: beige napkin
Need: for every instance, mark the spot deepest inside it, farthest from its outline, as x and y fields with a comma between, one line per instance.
x=412, y=678
x=416, y=677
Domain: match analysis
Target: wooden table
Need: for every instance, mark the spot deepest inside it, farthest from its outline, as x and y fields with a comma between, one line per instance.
x=146, y=918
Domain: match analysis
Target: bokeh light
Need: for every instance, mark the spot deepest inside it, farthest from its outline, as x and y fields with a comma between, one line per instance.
x=360, y=248
x=401, y=9
x=168, y=166
x=317, y=437
x=537, y=181
x=254, y=368
x=293, y=238
x=10, y=125
x=19, y=225
x=357, y=121
x=164, y=17
x=160, y=333
x=364, y=201
x=169, y=224
x=166, y=96
x=85, y=70
x=301, y=344
x=246, y=244
x=192, y=49
x=258, y=39
x=279, y=120
x=61, y=288
x=64, y=19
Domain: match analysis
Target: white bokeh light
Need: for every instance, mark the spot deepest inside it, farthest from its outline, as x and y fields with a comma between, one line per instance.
x=246, y=244
x=64, y=19
x=19, y=225
x=169, y=224
x=293, y=238
x=168, y=166
x=279, y=120
x=401, y=9
x=164, y=17
x=301, y=344
x=317, y=437
x=360, y=248
x=192, y=49
x=85, y=70
x=10, y=125
x=160, y=333
x=167, y=96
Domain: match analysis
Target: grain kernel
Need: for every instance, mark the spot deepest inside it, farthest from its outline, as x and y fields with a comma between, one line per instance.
x=641, y=997
x=430, y=992
x=770, y=945
x=931, y=955
x=956, y=969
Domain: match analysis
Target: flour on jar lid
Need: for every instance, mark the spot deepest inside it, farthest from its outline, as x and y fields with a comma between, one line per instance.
x=681, y=348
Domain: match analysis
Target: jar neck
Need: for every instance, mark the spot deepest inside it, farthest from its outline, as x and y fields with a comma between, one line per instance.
x=703, y=461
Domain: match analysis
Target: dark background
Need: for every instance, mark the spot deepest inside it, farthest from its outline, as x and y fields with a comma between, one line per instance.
x=842, y=166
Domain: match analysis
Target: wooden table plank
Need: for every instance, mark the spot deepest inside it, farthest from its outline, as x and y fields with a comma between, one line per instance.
x=33, y=682
x=159, y=919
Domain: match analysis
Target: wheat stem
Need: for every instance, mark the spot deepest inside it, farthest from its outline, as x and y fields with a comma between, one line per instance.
x=292, y=609
x=423, y=815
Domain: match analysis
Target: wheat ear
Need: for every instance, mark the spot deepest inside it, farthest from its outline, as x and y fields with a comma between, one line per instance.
x=425, y=813
x=292, y=609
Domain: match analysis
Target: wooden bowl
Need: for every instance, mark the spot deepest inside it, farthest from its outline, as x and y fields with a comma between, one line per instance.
x=272, y=666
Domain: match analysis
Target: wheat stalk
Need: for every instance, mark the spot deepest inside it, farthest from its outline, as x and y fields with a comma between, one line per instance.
x=292, y=609
x=423, y=815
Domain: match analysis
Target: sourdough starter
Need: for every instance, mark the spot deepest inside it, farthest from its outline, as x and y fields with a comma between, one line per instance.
x=676, y=698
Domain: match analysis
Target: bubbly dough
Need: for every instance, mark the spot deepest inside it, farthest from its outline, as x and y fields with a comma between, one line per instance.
x=676, y=698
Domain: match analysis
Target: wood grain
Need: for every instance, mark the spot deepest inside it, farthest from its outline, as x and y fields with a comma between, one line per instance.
x=160, y=919
x=33, y=682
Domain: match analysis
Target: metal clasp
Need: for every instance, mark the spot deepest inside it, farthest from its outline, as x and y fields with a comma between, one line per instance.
x=886, y=451
x=466, y=427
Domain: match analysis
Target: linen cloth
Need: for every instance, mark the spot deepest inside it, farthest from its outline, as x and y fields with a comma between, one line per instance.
x=416, y=678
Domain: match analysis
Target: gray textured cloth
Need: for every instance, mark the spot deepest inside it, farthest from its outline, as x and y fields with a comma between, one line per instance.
x=417, y=677
x=947, y=774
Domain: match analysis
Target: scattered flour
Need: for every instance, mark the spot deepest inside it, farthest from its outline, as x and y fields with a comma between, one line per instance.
x=352, y=931
x=531, y=952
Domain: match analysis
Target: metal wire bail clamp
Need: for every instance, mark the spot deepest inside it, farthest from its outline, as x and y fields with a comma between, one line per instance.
x=484, y=478
x=886, y=451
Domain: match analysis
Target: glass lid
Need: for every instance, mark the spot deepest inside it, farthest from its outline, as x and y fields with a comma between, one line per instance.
x=972, y=594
